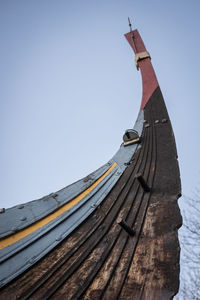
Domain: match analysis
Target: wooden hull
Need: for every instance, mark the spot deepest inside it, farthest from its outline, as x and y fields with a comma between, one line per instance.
x=99, y=259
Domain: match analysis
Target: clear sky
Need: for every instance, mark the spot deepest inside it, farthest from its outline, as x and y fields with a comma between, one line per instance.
x=69, y=87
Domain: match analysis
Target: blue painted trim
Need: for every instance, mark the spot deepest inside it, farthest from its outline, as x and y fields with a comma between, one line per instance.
x=10, y=220
x=18, y=257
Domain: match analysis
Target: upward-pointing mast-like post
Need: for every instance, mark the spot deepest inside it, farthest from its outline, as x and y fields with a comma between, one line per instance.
x=129, y=24
x=132, y=36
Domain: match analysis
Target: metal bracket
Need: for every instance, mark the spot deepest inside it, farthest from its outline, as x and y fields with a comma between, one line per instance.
x=125, y=226
x=131, y=142
x=140, y=56
x=143, y=183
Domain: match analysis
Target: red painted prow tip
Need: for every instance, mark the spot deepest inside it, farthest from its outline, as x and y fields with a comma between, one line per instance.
x=149, y=80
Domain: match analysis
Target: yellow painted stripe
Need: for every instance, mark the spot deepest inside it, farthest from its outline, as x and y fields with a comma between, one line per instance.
x=7, y=241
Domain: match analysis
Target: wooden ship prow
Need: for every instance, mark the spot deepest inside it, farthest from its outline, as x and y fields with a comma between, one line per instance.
x=111, y=235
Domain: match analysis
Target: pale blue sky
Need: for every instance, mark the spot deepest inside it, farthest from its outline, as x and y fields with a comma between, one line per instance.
x=69, y=87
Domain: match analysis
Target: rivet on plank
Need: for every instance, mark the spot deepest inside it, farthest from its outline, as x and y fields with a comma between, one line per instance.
x=164, y=120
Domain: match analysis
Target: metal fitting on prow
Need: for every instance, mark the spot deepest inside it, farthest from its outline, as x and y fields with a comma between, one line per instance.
x=131, y=137
x=125, y=226
x=143, y=183
x=140, y=56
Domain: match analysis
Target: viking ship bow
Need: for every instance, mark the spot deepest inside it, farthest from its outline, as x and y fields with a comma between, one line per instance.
x=111, y=235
